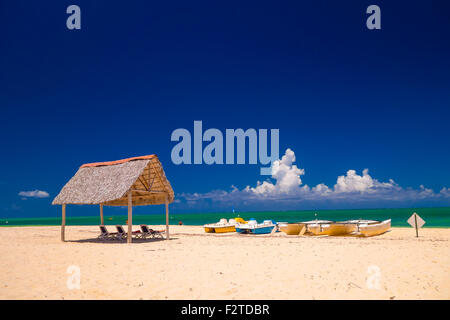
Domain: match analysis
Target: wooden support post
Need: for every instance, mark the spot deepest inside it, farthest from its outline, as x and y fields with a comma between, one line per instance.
x=167, y=218
x=102, y=222
x=63, y=224
x=415, y=222
x=130, y=217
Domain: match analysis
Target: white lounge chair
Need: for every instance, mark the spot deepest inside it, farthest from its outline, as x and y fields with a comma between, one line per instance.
x=122, y=235
x=150, y=233
x=105, y=234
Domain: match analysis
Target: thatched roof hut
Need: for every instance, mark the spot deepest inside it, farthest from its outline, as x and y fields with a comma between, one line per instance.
x=129, y=182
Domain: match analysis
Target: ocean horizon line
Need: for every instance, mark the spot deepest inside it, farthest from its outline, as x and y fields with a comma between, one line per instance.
x=434, y=217
x=239, y=212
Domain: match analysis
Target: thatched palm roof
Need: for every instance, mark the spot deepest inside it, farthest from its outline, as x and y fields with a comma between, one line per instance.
x=108, y=183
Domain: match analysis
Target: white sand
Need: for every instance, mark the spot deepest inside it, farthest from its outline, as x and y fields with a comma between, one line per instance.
x=195, y=265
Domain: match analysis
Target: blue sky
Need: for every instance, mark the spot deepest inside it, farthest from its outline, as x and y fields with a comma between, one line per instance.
x=343, y=97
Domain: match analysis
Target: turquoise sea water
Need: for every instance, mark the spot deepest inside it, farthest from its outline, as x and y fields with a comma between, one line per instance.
x=434, y=217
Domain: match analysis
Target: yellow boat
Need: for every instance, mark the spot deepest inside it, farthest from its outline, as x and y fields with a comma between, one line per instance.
x=224, y=229
x=333, y=228
x=314, y=227
x=292, y=228
x=223, y=226
x=374, y=229
x=341, y=228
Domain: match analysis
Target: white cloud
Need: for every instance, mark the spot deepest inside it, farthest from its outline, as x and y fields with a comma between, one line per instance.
x=286, y=174
x=445, y=192
x=352, y=182
x=287, y=188
x=34, y=194
x=321, y=188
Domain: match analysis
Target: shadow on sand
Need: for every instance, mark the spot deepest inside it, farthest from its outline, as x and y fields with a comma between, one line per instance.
x=135, y=240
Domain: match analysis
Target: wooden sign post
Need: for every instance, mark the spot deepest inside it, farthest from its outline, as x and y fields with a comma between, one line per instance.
x=416, y=222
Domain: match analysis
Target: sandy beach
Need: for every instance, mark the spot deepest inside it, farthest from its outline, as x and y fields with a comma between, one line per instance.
x=196, y=265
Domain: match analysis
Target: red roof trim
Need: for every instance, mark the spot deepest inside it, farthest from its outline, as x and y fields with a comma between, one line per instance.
x=111, y=163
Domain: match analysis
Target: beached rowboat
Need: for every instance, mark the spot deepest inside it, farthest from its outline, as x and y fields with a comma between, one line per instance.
x=332, y=229
x=297, y=228
x=314, y=227
x=374, y=229
x=342, y=228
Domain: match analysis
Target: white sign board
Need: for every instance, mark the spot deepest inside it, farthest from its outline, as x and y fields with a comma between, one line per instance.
x=415, y=218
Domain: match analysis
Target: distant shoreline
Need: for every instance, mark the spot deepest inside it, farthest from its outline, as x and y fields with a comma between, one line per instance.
x=438, y=217
x=256, y=212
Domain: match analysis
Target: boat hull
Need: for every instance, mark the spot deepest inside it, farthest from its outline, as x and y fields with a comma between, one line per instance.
x=313, y=227
x=220, y=229
x=292, y=228
x=225, y=229
x=262, y=230
x=341, y=229
x=370, y=230
x=255, y=230
x=332, y=229
x=316, y=230
x=223, y=226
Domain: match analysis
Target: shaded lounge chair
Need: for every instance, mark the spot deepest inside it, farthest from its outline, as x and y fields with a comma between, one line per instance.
x=122, y=235
x=105, y=234
x=150, y=233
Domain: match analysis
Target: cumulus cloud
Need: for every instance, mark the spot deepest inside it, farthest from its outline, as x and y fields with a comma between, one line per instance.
x=34, y=194
x=287, y=188
x=286, y=174
x=352, y=182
